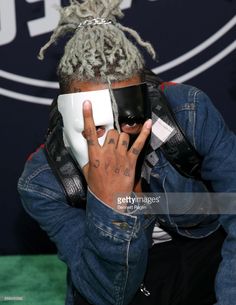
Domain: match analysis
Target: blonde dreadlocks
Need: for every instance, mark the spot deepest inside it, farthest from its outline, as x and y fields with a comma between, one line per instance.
x=98, y=48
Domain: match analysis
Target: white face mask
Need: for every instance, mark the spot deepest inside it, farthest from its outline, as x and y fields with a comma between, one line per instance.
x=71, y=108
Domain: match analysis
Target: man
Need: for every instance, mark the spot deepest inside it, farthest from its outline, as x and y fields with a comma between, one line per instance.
x=107, y=249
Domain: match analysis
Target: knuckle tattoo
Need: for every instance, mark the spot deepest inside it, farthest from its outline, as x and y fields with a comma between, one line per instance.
x=127, y=172
x=111, y=141
x=125, y=143
x=135, y=151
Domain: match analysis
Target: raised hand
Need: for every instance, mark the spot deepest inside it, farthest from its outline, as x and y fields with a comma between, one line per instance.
x=111, y=167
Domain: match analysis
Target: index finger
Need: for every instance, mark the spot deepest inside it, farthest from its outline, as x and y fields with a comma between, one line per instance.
x=139, y=143
x=89, y=126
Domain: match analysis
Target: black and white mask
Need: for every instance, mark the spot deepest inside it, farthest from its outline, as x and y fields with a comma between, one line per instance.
x=133, y=108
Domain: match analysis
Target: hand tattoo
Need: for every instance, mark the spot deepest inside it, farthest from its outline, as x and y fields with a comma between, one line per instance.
x=96, y=164
x=111, y=141
x=125, y=143
x=127, y=172
x=135, y=151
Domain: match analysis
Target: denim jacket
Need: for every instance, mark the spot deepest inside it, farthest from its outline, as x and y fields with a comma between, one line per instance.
x=105, y=250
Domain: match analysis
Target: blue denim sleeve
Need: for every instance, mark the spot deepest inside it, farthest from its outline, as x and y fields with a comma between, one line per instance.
x=218, y=146
x=106, y=251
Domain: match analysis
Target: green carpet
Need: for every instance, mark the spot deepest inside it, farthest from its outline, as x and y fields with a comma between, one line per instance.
x=32, y=280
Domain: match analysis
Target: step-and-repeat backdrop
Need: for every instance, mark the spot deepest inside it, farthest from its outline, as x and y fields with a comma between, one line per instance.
x=195, y=42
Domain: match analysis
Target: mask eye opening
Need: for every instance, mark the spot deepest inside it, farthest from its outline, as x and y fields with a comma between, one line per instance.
x=100, y=131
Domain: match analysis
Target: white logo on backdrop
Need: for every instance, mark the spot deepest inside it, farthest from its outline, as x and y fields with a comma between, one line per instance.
x=8, y=29
x=8, y=32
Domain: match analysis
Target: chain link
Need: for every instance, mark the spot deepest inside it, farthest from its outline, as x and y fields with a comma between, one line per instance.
x=95, y=21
